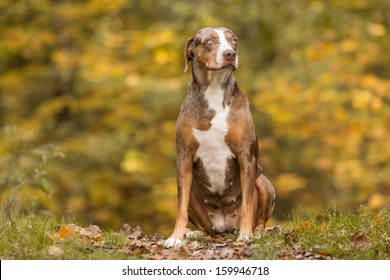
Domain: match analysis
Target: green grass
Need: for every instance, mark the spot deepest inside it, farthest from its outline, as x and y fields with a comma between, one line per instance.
x=320, y=236
x=363, y=236
x=31, y=237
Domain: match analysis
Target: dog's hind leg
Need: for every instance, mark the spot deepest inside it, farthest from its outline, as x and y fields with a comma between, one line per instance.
x=264, y=196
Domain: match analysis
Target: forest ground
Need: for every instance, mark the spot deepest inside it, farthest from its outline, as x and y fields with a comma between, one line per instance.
x=319, y=236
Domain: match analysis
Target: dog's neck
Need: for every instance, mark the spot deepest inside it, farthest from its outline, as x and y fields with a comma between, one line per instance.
x=219, y=78
x=206, y=80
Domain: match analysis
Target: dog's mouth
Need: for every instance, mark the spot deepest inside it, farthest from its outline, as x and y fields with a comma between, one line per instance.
x=229, y=66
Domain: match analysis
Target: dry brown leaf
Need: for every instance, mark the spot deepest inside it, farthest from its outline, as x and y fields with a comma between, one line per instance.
x=126, y=228
x=67, y=231
x=227, y=253
x=157, y=248
x=286, y=255
x=180, y=254
x=359, y=239
x=239, y=243
x=139, y=251
x=81, y=231
x=193, y=245
x=274, y=229
x=198, y=255
x=94, y=230
x=155, y=257
x=220, y=245
x=136, y=233
x=247, y=252
x=86, y=241
x=211, y=248
x=305, y=226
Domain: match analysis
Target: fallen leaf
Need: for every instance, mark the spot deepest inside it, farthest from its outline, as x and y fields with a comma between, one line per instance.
x=81, y=231
x=86, y=241
x=289, y=237
x=274, y=229
x=158, y=248
x=227, y=253
x=155, y=257
x=139, y=251
x=180, y=254
x=248, y=252
x=193, y=245
x=67, y=231
x=94, y=230
x=220, y=245
x=136, y=233
x=305, y=226
x=359, y=239
x=126, y=228
x=286, y=255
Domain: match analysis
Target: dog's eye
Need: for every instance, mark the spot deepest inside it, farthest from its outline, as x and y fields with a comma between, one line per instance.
x=234, y=41
x=209, y=41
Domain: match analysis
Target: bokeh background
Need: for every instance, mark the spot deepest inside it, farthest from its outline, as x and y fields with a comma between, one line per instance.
x=90, y=92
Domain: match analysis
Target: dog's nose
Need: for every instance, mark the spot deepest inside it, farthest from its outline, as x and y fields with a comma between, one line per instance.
x=229, y=54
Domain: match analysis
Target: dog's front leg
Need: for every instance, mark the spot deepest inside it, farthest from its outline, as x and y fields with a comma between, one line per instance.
x=184, y=183
x=247, y=176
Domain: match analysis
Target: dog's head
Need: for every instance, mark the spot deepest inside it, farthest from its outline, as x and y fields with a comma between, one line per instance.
x=212, y=49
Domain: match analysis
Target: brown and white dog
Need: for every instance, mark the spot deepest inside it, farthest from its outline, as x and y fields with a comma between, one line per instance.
x=220, y=185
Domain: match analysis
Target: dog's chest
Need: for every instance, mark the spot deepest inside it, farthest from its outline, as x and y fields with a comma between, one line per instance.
x=213, y=150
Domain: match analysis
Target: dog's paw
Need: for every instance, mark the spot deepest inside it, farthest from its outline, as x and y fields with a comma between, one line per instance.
x=172, y=242
x=243, y=237
x=257, y=234
x=195, y=234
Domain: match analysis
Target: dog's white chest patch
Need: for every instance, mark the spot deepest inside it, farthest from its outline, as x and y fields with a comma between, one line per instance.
x=213, y=150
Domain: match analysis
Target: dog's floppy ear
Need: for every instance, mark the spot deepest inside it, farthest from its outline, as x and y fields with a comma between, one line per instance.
x=188, y=53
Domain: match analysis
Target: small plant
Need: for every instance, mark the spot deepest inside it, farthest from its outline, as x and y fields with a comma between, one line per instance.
x=23, y=176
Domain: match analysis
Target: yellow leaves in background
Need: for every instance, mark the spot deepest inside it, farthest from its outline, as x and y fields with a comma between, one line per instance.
x=276, y=96
x=364, y=99
x=30, y=197
x=99, y=68
x=376, y=29
x=161, y=37
x=348, y=171
x=287, y=183
x=63, y=58
x=162, y=54
x=135, y=161
x=165, y=56
x=320, y=51
x=375, y=84
x=105, y=6
x=349, y=45
x=133, y=80
x=336, y=116
x=165, y=196
x=377, y=201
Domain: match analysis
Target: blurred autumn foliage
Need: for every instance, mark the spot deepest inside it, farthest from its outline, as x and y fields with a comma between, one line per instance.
x=90, y=91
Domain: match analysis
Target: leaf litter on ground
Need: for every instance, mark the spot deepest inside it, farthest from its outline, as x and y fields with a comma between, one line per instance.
x=143, y=246
x=322, y=237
